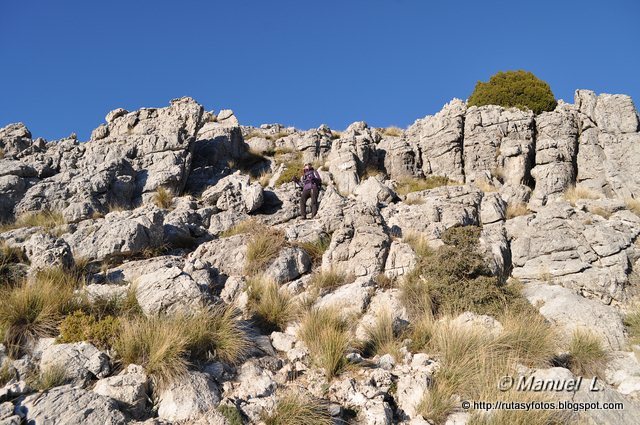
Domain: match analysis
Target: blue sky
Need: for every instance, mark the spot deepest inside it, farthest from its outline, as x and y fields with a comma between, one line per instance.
x=65, y=64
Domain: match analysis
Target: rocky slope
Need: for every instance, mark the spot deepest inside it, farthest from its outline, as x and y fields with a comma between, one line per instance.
x=153, y=203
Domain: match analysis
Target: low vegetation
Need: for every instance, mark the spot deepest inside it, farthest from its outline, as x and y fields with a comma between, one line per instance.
x=80, y=326
x=271, y=306
x=10, y=260
x=46, y=219
x=166, y=345
x=485, y=185
x=315, y=249
x=633, y=205
x=231, y=414
x=35, y=309
x=264, y=245
x=53, y=376
x=381, y=337
x=575, y=193
x=328, y=280
x=392, y=131
x=292, y=168
x=602, y=212
x=414, y=184
x=326, y=335
x=520, y=89
x=297, y=409
x=163, y=198
x=516, y=210
x=454, y=278
x=587, y=356
x=245, y=226
x=383, y=281
x=7, y=373
x=632, y=323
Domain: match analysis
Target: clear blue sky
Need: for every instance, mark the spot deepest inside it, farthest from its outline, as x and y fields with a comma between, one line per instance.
x=65, y=64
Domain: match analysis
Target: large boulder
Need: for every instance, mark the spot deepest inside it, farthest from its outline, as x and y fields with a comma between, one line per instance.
x=81, y=361
x=44, y=251
x=66, y=405
x=564, y=245
x=235, y=192
x=187, y=398
x=129, y=388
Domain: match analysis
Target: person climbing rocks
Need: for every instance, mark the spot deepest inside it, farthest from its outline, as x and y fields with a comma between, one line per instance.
x=310, y=185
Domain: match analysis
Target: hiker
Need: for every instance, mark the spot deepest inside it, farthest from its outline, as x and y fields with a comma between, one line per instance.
x=310, y=185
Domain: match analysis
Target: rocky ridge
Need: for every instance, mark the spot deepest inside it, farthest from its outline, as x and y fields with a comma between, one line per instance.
x=556, y=196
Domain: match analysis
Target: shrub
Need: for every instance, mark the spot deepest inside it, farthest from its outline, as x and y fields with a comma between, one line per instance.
x=80, y=326
x=297, y=409
x=217, y=332
x=520, y=88
x=412, y=184
x=326, y=335
x=263, y=247
x=159, y=344
x=455, y=279
x=163, y=198
x=271, y=307
x=29, y=311
x=315, y=249
x=587, y=356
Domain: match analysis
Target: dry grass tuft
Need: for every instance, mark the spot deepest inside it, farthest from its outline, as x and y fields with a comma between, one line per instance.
x=393, y=131
x=262, y=248
x=419, y=243
x=10, y=259
x=7, y=373
x=412, y=184
x=328, y=280
x=271, y=307
x=326, y=335
x=516, y=210
x=1, y=153
x=245, y=226
x=485, y=186
x=46, y=219
x=574, y=193
x=527, y=336
x=632, y=323
x=633, y=205
x=602, y=212
x=587, y=356
x=383, y=281
x=317, y=248
x=33, y=310
x=297, y=409
x=53, y=376
x=163, y=198
x=335, y=134
x=381, y=338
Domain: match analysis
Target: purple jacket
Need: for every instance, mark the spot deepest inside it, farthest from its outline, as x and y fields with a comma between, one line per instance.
x=310, y=179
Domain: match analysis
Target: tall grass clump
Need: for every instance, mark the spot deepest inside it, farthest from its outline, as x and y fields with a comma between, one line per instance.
x=52, y=376
x=381, y=337
x=516, y=210
x=163, y=198
x=632, y=323
x=326, y=334
x=159, y=344
x=315, y=249
x=271, y=306
x=10, y=260
x=633, y=205
x=328, y=280
x=45, y=219
x=297, y=409
x=32, y=310
x=392, y=131
x=413, y=184
x=293, y=166
x=527, y=336
x=263, y=247
x=245, y=226
x=586, y=354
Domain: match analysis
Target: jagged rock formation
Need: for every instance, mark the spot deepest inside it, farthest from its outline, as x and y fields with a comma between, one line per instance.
x=577, y=255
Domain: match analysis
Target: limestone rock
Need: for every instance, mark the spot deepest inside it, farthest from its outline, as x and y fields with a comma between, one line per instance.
x=188, y=397
x=66, y=405
x=81, y=361
x=401, y=259
x=45, y=251
x=235, y=192
x=291, y=263
x=373, y=191
x=129, y=389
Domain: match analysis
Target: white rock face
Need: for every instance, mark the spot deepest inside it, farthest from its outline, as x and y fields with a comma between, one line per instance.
x=129, y=388
x=81, y=361
x=66, y=405
x=45, y=251
x=188, y=397
x=571, y=312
